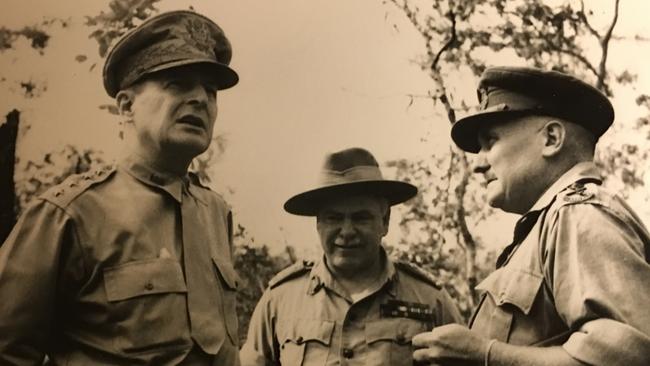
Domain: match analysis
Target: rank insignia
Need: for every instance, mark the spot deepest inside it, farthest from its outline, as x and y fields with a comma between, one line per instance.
x=411, y=310
x=578, y=193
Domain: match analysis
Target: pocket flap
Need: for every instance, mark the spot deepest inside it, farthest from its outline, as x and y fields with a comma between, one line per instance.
x=308, y=330
x=227, y=273
x=516, y=287
x=146, y=277
x=398, y=330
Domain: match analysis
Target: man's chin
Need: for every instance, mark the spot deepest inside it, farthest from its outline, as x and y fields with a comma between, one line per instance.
x=188, y=146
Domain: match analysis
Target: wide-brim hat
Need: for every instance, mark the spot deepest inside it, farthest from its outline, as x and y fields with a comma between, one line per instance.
x=349, y=172
x=169, y=40
x=505, y=93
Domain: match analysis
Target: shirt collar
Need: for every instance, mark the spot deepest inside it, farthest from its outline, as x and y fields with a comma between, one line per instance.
x=580, y=171
x=170, y=183
x=320, y=276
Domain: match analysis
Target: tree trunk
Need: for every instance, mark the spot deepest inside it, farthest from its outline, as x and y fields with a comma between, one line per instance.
x=8, y=135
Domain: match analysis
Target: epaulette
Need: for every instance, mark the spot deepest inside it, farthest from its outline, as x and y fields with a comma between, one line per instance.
x=74, y=185
x=417, y=272
x=577, y=192
x=297, y=269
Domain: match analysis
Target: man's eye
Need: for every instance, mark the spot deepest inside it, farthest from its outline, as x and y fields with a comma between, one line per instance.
x=175, y=84
x=330, y=218
x=211, y=90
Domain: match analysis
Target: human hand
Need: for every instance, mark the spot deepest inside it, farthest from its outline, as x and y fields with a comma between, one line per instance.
x=451, y=344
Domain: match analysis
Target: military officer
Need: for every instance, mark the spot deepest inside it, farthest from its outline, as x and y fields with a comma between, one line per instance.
x=131, y=265
x=355, y=306
x=574, y=286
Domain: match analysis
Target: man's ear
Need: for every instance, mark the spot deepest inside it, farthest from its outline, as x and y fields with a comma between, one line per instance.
x=554, y=134
x=124, y=100
x=386, y=221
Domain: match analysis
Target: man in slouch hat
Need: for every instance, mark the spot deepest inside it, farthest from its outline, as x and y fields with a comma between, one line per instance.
x=354, y=306
x=131, y=265
x=573, y=287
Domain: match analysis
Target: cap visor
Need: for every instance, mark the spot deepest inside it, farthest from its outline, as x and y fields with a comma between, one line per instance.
x=464, y=133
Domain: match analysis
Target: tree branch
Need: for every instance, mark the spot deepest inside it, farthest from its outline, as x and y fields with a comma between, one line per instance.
x=604, y=44
x=583, y=16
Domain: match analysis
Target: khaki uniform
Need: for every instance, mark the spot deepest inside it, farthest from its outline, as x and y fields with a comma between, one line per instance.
x=304, y=318
x=579, y=278
x=94, y=273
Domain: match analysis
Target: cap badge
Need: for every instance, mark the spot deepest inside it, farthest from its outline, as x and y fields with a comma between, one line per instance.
x=199, y=35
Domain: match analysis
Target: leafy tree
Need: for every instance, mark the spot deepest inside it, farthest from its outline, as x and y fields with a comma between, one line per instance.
x=52, y=169
x=255, y=266
x=458, y=38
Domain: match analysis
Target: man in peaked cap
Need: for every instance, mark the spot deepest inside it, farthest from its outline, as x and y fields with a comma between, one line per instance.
x=355, y=306
x=131, y=265
x=573, y=287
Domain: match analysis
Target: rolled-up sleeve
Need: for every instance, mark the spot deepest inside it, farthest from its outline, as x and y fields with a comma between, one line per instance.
x=601, y=283
x=30, y=274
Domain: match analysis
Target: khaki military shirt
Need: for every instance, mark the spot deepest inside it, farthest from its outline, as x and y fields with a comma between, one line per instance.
x=304, y=318
x=93, y=273
x=580, y=278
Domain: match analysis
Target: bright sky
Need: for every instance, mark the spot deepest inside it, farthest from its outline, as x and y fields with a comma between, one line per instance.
x=316, y=76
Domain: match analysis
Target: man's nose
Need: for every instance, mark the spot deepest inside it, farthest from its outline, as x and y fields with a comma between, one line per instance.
x=480, y=165
x=198, y=94
x=347, y=228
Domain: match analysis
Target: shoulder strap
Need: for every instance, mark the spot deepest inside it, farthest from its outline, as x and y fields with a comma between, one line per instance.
x=417, y=272
x=297, y=269
x=64, y=193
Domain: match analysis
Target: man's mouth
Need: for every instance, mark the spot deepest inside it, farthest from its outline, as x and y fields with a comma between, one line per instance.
x=347, y=245
x=192, y=121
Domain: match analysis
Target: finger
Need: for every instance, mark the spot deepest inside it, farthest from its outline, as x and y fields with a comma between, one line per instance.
x=423, y=339
x=425, y=355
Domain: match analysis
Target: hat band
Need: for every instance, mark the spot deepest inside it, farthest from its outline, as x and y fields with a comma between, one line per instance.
x=513, y=100
x=355, y=174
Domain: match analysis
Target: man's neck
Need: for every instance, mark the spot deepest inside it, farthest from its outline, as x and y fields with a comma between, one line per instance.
x=170, y=165
x=360, y=281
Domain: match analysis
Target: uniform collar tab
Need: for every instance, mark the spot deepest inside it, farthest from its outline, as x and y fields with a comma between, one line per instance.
x=171, y=184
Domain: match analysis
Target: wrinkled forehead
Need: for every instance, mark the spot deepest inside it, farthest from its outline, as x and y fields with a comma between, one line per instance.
x=353, y=203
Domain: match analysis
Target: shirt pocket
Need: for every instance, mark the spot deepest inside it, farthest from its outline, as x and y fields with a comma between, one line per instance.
x=229, y=282
x=390, y=339
x=513, y=292
x=147, y=305
x=305, y=341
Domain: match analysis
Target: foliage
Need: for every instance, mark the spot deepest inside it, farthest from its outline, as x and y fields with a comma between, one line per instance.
x=35, y=34
x=121, y=17
x=37, y=176
x=255, y=266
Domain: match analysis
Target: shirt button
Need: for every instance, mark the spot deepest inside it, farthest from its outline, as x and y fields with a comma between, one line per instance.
x=299, y=340
x=148, y=286
x=348, y=353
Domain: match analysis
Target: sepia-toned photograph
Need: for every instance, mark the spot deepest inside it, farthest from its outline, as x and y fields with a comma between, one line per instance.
x=326, y=182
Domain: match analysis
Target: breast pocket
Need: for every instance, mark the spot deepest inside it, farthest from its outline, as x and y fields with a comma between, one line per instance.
x=147, y=304
x=305, y=342
x=513, y=293
x=390, y=339
x=229, y=282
